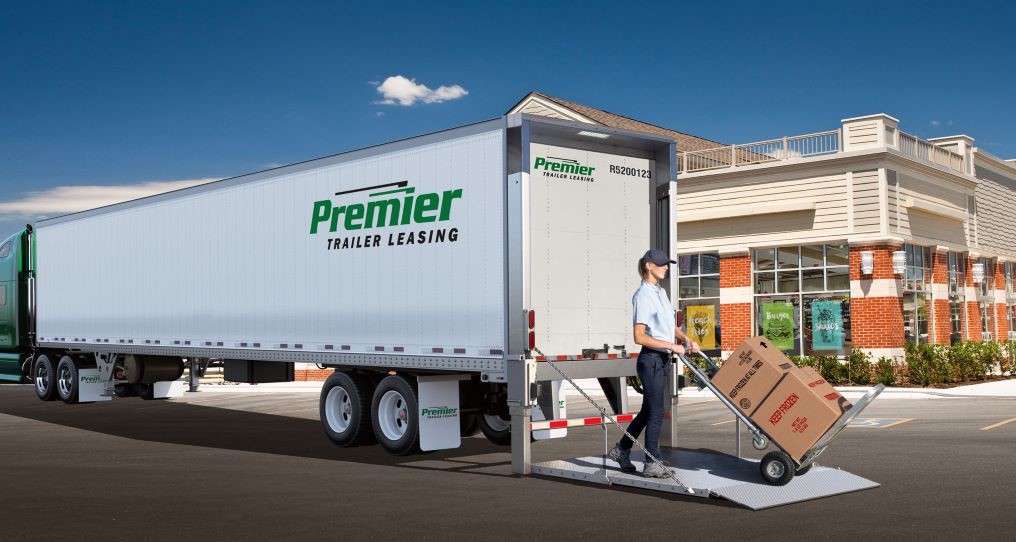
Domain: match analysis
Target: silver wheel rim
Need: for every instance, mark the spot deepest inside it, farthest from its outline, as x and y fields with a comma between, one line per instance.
x=497, y=423
x=393, y=415
x=338, y=409
x=42, y=379
x=63, y=380
x=775, y=469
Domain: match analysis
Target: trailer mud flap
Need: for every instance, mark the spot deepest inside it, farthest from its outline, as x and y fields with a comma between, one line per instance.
x=552, y=398
x=439, y=411
x=90, y=386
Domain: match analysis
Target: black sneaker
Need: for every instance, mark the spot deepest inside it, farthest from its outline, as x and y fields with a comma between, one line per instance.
x=656, y=469
x=621, y=457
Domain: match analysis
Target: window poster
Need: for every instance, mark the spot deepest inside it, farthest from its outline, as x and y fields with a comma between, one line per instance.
x=826, y=325
x=778, y=324
x=701, y=325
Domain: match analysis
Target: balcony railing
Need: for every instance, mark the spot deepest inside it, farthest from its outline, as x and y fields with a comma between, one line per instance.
x=760, y=152
x=926, y=150
x=818, y=144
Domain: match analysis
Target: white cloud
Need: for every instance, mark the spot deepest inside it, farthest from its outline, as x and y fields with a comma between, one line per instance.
x=399, y=90
x=936, y=123
x=62, y=200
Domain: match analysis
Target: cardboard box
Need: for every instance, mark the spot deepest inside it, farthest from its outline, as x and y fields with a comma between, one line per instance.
x=751, y=372
x=825, y=389
x=794, y=416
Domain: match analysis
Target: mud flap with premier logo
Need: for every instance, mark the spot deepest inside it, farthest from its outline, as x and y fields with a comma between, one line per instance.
x=551, y=397
x=90, y=386
x=439, y=411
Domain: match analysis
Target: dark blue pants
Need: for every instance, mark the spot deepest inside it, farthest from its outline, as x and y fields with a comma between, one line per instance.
x=654, y=370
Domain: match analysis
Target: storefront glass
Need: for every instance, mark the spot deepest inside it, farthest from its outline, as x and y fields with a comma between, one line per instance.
x=699, y=299
x=916, y=293
x=986, y=299
x=802, y=298
x=957, y=295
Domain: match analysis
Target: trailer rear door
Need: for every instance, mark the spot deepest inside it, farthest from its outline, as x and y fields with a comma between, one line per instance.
x=589, y=223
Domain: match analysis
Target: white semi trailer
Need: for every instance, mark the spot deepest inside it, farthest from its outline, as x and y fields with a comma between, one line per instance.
x=424, y=271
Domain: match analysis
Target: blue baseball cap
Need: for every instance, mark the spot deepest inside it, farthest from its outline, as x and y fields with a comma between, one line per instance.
x=657, y=256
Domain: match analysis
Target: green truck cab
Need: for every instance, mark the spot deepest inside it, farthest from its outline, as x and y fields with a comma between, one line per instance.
x=15, y=298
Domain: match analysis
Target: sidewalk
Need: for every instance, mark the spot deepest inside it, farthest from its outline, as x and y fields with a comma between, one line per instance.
x=1000, y=388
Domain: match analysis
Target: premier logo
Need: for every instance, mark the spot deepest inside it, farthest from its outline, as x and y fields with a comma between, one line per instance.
x=438, y=412
x=398, y=207
x=90, y=379
x=562, y=165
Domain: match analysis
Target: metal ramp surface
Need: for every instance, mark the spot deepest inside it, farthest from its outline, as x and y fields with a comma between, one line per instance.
x=712, y=474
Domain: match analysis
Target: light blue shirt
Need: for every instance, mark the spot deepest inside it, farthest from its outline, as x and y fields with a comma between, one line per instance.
x=651, y=306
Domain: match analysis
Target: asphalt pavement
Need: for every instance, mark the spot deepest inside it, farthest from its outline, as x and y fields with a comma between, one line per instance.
x=256, y=466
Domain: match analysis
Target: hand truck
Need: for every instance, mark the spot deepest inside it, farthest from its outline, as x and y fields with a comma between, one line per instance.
x=778, y=467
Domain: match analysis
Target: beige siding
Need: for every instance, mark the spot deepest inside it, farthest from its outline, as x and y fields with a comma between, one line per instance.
x=734, y=197
x=892, y=201
x=996, y=211
x=866, y=205
x=922, y=223
x=862, y=133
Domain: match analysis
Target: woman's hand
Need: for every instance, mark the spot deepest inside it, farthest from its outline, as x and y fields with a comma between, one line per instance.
x=695, y=347
x=677, y=349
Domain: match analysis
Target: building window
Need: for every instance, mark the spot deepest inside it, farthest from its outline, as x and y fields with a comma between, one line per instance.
x=957, y=295
x=916, y=293
x=3, y=295
x=5, y=250
x=986, y=299
x=802, y=298
x=699, y=299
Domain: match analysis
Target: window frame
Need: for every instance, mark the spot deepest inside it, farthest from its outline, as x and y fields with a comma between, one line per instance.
x=683, y=301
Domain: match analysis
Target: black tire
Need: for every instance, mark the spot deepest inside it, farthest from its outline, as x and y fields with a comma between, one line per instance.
x=394, y=415
x=344, y=407
x=777, y=468
x=636, y=384
x=801, y=471
x=67, y=380
x=495, y=428
x=125, y=390
x=468, y=425
x=44, y=378
x=145, y=391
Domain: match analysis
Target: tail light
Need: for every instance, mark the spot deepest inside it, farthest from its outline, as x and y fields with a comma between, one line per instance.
x=531, y=318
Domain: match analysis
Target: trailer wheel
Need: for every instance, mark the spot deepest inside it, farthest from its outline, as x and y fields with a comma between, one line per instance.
x=145, y=391
x=67, y=380
x=497, y=429
x=468, y=425
x=44, y=376
x=394, y=414
x=777, y=468
x=125, y=390
x=343, y=408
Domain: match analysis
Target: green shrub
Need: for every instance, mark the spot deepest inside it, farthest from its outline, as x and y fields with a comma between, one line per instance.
x=884, y=371
x=859, y=367
x=1008, y=360
x=990, y=360
x=927, y=364
x=964, y=359
x=830, y=368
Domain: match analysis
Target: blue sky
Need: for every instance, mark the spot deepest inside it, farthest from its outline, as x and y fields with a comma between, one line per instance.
x=121, y=94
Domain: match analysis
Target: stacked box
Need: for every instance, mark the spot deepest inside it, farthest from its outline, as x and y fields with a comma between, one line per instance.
x=751, y=372
x=793, y=406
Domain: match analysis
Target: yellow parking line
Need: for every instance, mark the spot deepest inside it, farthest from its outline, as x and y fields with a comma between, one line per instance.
x=999, y=424
x=904, y=420
x=728, y=421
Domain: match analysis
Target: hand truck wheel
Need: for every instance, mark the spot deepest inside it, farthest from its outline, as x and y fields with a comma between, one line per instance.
x=804, y=469
x=759, y=442
x=777, y=468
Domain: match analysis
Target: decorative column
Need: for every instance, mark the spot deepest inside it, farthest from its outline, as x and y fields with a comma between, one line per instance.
x=735, y=300
x=876, y=314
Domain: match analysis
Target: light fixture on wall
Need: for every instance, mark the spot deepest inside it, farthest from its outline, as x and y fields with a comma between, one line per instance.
x=867, y=262
x=899, y=262
x=977, y=272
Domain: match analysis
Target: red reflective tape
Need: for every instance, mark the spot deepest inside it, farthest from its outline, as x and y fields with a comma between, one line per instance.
x=591, y=421
x=633, y=355
x=626, y=417
x=611, y=356
x=541, y=358
x=560, y=358
x=556, y=424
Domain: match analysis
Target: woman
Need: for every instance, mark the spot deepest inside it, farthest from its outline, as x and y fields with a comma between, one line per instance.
x=656, y=330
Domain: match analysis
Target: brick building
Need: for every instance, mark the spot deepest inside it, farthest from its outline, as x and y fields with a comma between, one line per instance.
x=860, y=237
